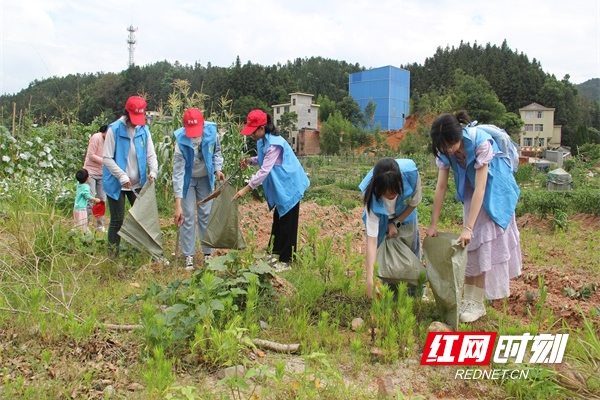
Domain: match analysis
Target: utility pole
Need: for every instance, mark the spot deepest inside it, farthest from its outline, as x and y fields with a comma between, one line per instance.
x=131, y=42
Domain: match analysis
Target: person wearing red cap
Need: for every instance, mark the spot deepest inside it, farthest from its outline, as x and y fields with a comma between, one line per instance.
x=197, y=160
x=129, y=159
x=284, y=182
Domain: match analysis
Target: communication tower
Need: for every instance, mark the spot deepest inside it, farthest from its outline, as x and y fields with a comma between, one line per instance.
x=131, y=43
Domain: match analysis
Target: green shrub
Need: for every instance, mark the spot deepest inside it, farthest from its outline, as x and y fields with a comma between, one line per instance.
x=544, y=202
x=524, y=174
x=586, y=201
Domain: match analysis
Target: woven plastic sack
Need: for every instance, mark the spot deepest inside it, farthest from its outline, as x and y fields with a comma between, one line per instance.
x=396, y=261
x=141, y=226
x=223, y=231
x=446, y=262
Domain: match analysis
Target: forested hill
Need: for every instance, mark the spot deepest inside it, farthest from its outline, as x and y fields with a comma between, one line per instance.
x=440, y=84
x=514, y=78
x=590, y=89
x=511, y=76
x=248, y=85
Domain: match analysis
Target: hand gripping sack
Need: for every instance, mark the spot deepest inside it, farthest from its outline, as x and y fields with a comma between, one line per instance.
x=223, y=231
x=396, y=261
x=446, y=262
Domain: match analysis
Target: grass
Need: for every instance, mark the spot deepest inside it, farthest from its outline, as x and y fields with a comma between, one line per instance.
x=574, y=245
x=58, y=290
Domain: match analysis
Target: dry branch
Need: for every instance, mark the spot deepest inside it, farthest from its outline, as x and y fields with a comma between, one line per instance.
x=114, y=327
x=278, y=347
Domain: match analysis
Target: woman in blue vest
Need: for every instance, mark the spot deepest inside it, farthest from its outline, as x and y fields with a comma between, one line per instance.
x=284, y=182
x=391, y=193
x=197, y=160
x=487, y=188
x=129, y=159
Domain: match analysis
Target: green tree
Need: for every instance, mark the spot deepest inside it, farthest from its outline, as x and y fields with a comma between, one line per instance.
x=475, y=95
x=357, y=138
x=428, y=103
x=287, y=124
x=562, y=96
x=590, y=112
x=370, y=112
x=512, y=123
x=244, y=104
x=593, y=136
x=590, y=89
x=415, y=142
x=578, y=139
x=332, y=131
x=350, y=111
x=515, y=79
x=326, y=107
x=101, y=98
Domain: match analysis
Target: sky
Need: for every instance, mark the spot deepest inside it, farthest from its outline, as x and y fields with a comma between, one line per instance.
x=44, y=38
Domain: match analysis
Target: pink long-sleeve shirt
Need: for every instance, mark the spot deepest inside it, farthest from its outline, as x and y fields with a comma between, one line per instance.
x=274, y=156
x=93, y=158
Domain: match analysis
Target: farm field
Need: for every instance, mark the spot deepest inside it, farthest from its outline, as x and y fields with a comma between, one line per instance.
x=77, y=325
x=56, y=355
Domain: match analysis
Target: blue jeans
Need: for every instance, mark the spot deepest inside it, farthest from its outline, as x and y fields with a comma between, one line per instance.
x=192, y=213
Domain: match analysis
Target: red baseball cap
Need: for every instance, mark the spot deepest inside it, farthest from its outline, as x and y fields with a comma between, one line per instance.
x=136, y=108
x=193, y=122
x=256, y=119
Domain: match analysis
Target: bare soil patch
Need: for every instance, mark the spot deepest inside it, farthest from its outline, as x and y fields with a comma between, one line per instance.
x=337, y=224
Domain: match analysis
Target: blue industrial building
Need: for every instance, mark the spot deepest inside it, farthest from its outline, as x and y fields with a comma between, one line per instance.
x=389, y=88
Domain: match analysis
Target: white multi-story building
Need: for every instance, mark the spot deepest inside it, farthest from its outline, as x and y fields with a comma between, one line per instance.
x=302, y=105
x=539, y=130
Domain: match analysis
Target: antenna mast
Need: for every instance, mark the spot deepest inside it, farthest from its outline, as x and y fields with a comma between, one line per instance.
x=131, y=42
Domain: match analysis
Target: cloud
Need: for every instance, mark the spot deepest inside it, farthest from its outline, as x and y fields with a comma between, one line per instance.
x=40, y=39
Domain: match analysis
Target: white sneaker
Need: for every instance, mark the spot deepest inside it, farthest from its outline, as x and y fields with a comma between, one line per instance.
x=189, y=263
x=472, y=311
x=101, y=229
x=207, y=257
x=281, y=266
x=461, y=308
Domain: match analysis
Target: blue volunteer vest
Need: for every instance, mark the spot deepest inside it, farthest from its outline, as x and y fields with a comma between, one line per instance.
x=285, y=185
x=209, y=139
x=110, y=184
x=501, y=191
x=410, y=178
